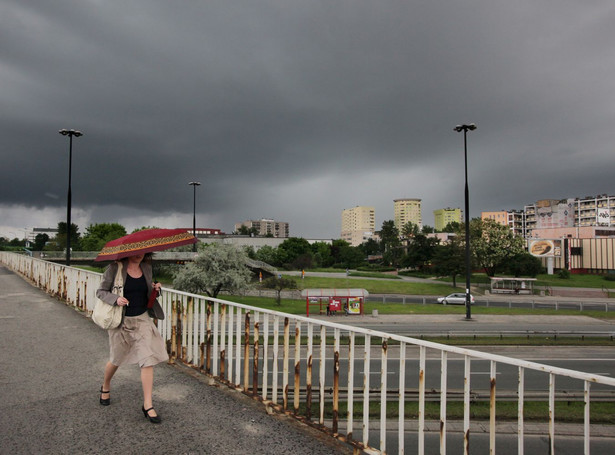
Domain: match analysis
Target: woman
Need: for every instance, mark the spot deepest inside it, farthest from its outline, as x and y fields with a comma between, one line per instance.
x=136, y=340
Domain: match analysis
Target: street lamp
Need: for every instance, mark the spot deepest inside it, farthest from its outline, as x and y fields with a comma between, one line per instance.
x=465, y=129
x=194, y=185
x=70, y=134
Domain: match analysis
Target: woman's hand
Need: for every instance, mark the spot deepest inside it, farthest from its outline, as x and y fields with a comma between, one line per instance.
x=156, y=286
x=121, y=301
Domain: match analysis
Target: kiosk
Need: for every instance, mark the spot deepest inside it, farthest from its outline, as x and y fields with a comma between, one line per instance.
x=330, y=301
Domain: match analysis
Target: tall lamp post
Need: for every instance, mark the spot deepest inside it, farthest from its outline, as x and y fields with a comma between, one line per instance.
x=465, y=129
x=70, y=134
x=194, y=185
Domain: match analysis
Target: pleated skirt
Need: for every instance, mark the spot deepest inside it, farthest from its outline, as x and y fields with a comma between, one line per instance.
x=137, y=341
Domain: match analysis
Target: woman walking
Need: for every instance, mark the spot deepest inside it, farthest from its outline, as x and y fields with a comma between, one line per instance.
x=136, y=340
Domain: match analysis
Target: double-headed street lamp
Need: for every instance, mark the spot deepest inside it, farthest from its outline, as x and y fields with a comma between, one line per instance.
x=70, y=134
x=465, y=129
x=194, y=185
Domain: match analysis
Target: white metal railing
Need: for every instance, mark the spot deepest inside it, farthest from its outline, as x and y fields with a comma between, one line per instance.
x=251, y=349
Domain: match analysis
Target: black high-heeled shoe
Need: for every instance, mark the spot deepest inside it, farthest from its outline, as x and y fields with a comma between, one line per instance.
x=155, y=419
x=104, y=401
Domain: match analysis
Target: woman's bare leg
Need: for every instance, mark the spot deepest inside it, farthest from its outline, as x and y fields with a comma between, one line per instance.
x=147, y=381
x=110, y=370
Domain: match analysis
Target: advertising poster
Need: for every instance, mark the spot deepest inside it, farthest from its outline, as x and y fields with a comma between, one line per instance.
x=545, y=248
x=335, y=304
x=354, y=305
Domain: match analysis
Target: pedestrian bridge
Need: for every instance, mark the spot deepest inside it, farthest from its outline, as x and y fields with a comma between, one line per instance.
x=161, y=256
x=370, y=389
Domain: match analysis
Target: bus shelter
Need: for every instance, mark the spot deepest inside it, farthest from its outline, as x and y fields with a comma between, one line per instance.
x=331, y=301
x=504, y=285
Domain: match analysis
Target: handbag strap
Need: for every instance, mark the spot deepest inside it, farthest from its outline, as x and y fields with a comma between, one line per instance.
x=118, y=284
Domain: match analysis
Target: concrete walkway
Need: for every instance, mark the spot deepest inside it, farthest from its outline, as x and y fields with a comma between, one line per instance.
x=51, y=367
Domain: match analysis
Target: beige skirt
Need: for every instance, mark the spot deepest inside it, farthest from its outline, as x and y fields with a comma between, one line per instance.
x=137, y=341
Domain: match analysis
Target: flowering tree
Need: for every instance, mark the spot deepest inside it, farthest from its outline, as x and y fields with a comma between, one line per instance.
x=216, y=268
x=493, y=245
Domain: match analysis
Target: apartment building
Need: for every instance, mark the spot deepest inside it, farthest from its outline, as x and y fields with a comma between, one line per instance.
x=511, y=218
x=442, y=217
x=552, y=218
x=266, y=227
x=408, y=209
x=358, y=224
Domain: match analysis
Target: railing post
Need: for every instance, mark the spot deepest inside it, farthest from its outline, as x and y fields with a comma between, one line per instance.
x=421, y=435
x=492, y=409
x=297, y=367
x=521, y=411
x=308, y=373
x=350, y=405
x=383, y=396
x=443, y=393
x=551, y=413
x=466, y=406
x=401, y=399
x=366, y=373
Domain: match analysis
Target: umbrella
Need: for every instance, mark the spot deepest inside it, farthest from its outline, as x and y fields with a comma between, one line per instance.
x=145, y=241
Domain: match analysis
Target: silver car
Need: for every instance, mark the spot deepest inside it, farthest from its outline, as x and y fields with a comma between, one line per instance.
x=457, y=298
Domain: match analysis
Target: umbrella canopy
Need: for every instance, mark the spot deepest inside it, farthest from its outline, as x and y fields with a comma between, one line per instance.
x=145, y=241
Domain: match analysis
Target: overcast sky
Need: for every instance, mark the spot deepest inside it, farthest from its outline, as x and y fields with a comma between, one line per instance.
x=296, y=110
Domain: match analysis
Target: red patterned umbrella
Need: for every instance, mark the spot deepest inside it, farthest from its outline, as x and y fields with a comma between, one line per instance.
x=145, y=241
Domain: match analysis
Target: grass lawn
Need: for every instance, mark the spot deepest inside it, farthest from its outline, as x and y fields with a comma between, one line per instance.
x=575, y=281
x=392, y=286
x=297, y=307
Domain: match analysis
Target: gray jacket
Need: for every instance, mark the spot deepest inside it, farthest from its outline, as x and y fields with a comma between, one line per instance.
x=104, y=291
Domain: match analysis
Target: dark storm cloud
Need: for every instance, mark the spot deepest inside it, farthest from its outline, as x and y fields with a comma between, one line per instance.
x=286, y=108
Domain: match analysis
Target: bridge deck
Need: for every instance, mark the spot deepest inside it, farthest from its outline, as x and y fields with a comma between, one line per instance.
x=52, y=360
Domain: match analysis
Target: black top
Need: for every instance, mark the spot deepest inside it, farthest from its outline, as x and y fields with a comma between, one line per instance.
x=135, y=290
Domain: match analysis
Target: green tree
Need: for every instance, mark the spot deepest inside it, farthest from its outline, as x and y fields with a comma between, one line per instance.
x=493, y=245
x=390, y=243
x=421, y=250
x=245, y=230
x=449, y=259
x=279, y=284
x=40, y=241
x=524, y=264
x=453, y=226
x=370, y=247
x=142, y=228
x=97, y=235
x=267, y=254
x=351, y=257
x=322, y=254
x=216, y=268
x=291, y=249
x=410, y=230
x=60, y=238
x=427, y=230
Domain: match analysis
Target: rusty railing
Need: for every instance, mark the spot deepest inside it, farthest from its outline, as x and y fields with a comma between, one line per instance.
x=347, y=381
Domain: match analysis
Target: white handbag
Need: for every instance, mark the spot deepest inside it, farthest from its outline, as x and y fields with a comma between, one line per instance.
x=110, y=316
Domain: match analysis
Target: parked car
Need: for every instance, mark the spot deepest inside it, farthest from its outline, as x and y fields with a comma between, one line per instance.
x=457, y=298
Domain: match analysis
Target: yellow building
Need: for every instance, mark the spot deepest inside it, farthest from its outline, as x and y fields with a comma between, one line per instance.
x=443, y=217
x=358, y=224
x=408, y=209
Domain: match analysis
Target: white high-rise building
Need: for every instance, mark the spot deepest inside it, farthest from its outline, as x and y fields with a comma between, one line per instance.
x=358, y=224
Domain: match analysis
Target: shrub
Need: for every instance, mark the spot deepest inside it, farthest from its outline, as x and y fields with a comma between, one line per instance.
x=563, y=274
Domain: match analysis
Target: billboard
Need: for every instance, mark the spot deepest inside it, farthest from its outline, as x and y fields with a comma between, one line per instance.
x=545, y=248
x=603, y=216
